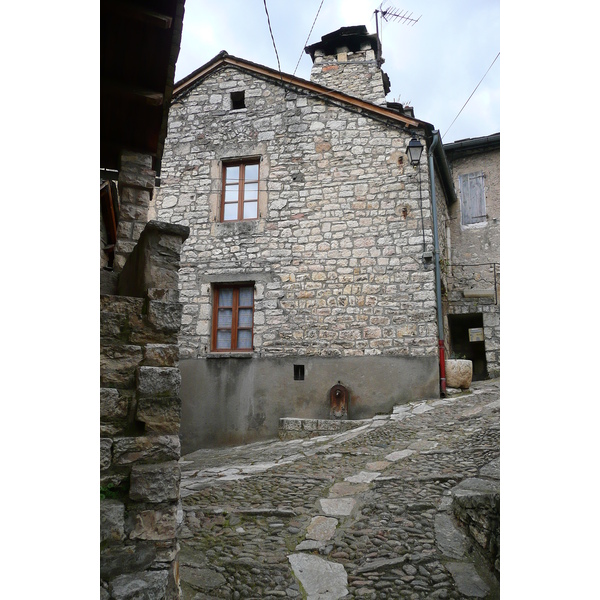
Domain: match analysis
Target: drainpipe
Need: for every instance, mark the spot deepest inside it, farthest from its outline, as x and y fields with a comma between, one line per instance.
x=436, y=252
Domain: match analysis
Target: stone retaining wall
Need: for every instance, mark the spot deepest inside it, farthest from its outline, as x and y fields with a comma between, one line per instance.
x=139, y=422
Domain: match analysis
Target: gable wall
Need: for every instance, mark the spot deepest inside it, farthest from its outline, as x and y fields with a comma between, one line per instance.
x=337, y=263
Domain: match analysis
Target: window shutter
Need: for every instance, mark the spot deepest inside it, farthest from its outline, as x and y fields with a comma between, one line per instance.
x=472, y=198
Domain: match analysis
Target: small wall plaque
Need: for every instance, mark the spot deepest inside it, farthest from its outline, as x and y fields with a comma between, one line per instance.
x=476, y=334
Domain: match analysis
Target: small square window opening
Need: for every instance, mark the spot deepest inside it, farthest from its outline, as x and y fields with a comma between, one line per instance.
x=298, y=372
x=237, y=100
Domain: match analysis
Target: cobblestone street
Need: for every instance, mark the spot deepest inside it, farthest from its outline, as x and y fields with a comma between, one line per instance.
x=404, y=506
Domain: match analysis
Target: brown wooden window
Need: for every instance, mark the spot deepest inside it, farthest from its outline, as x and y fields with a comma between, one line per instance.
x=233, y=316
x=240, y=191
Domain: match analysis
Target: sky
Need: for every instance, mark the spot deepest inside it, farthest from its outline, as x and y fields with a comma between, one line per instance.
x=434, y=65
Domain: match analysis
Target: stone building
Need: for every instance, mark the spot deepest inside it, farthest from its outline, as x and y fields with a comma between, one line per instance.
x=140, y=314
x=473, y=266
x=312, y=254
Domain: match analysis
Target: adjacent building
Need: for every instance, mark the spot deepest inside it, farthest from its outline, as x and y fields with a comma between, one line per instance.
x=473, y=267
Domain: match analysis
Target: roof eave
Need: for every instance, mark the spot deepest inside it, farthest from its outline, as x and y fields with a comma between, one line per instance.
x=223, y=59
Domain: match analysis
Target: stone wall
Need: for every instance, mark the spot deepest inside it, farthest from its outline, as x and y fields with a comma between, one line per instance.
x=139, y=422
x=354, y=73
x=336, y=255
x=473, y=266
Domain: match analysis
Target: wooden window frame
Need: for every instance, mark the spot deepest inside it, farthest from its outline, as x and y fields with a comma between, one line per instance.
x=235, y=327
x=241, y=185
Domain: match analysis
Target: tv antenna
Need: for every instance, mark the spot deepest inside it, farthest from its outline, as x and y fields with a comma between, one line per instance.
x=392, y=14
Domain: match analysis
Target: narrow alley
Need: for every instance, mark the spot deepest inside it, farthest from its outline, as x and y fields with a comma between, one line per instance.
x=404, y=506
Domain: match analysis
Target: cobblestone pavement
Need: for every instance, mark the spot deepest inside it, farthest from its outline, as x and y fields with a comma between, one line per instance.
x=370, y=513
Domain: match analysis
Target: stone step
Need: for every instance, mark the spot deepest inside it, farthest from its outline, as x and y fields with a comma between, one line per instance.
x=297, y=428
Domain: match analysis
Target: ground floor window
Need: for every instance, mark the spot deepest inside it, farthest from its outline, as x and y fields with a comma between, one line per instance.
x=233, y=317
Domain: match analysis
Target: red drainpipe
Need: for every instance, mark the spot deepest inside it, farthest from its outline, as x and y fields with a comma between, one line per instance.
x=442, y=368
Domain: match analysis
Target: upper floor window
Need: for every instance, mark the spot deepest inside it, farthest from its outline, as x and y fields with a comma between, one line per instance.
x=238, y=100
x=233, y=317
x=240, y=191
x=472, y=198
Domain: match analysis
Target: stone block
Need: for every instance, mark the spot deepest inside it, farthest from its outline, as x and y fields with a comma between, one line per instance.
x=119, y=559
x=459, y=373
x=154, y=525
x=149, y=585
x=161, y=355
x=319, y=578
x=155, y=482
x=154, y=261
x=165, y=316
x=202, y=578
x=105, y=453
x=112, y=404
x=321, y=528
x=328, y=425
x=310, y=424
x=112, y=520
x=161, y=415
x=118, y=364
x=290, y=424
x=146, y=449
x=158, y=382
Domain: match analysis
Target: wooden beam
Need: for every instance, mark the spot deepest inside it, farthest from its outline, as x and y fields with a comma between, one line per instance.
x=139, y=13
x=150, y=97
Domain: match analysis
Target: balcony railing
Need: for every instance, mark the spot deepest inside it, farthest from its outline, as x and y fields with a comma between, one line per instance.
x=481, y=280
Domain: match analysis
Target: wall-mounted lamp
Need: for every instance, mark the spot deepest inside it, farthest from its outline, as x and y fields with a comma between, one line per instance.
x=414, y=151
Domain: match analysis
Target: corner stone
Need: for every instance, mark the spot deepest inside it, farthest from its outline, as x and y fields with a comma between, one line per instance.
x=149, y=585
x=155, y=483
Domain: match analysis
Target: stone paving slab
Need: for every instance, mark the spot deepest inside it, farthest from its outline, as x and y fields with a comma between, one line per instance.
x=368, y=513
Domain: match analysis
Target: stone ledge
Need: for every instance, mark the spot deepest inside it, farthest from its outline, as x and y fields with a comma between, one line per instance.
x=291, y=428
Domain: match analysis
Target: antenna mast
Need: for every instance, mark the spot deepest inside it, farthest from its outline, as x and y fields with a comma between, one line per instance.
x=391, y=14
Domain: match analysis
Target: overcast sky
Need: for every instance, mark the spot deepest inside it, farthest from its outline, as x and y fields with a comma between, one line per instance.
x=433, y=65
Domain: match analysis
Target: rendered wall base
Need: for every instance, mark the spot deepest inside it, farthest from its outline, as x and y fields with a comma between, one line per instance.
x=239, y=400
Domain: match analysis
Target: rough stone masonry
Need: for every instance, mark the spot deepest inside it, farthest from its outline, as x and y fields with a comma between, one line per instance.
x=335, y=255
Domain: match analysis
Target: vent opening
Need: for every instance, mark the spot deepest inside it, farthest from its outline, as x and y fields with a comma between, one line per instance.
x=298, y=372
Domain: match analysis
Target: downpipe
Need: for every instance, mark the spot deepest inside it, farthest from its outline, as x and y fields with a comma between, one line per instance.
x=436, y=253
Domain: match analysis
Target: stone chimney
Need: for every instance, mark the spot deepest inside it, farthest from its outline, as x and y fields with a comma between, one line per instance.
x=349, y=60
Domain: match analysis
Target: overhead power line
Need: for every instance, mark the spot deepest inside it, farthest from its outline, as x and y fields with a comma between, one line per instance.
x=308, y=37
x=458, y=115
x=271, y=32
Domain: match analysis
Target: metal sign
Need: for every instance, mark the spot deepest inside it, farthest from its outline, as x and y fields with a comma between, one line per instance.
x=476, y=334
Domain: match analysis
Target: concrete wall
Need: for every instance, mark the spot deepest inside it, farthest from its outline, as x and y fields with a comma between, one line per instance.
x=240, y=400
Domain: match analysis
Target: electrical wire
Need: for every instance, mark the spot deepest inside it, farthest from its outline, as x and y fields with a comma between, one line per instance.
x=458, y=115
x=308, y=37
x=272, y=38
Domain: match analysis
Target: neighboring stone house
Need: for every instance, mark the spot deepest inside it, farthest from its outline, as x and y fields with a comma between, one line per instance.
x=311, y=259
x=473, y=262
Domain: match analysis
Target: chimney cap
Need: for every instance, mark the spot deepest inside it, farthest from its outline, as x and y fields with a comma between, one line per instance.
x=351, y=37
